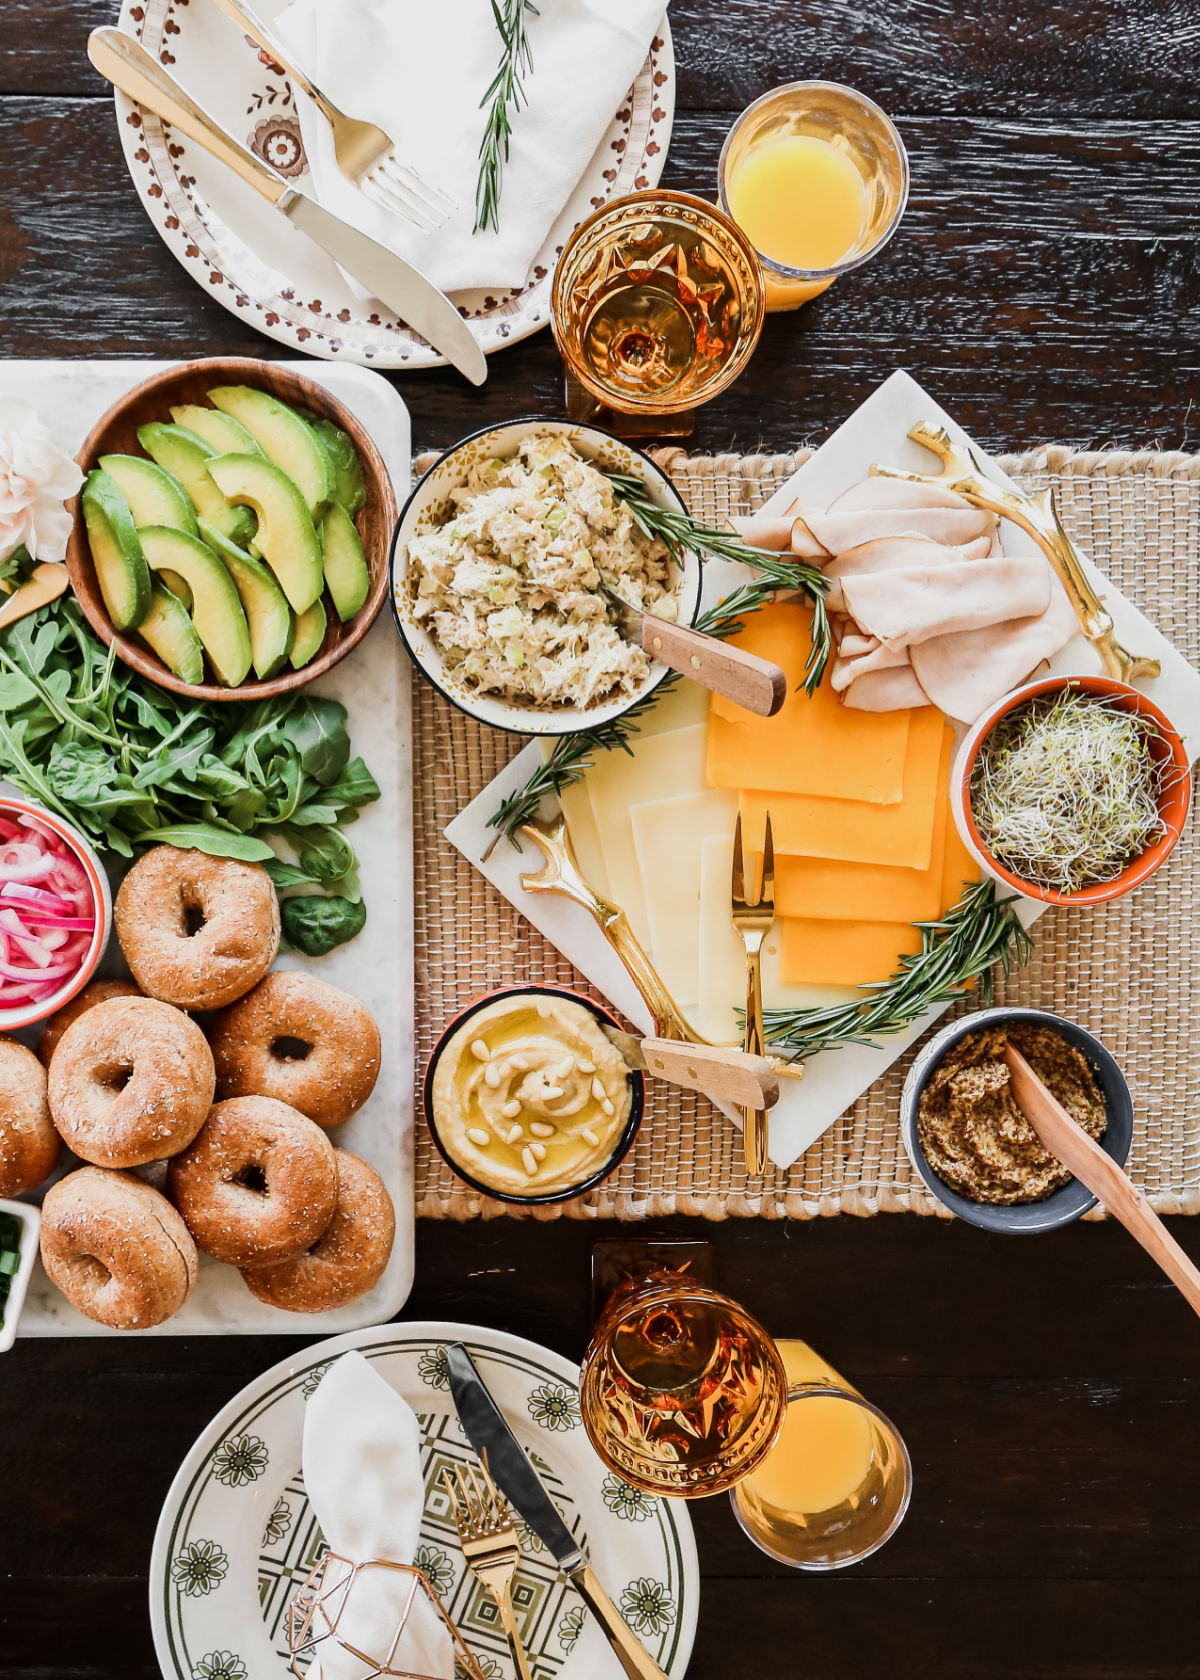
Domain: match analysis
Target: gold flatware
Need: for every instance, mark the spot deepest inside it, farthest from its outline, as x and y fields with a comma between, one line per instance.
x=1097, y=1170
x=490, y=1545
x=365, y=153
x=561, y=874
x=757, y=684
x=1037, y=515
x=754, y=919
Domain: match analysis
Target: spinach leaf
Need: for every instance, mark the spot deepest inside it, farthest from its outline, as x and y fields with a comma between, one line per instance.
x=317, y=729
x=354, y=785
x=289, y=874
x=205, y=837
x=314, y=925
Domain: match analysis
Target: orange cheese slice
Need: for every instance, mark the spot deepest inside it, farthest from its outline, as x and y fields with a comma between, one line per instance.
x=813, y=745
x=959, y=869
x=829, y=889
x=842, y=953
x=850, y=829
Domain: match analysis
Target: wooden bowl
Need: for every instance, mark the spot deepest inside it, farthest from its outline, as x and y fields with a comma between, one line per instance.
x=190, y=382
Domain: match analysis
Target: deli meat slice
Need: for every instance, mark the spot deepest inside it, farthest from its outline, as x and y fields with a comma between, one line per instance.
x=889, y=554
x=885, y=691
x=815, y=533
x=765, y=530
x=879, y=492
x=912, y=604
x=848, y=667
x=966, y=672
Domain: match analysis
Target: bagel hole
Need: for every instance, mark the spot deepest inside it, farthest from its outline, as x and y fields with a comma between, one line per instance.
x=252, y=1177
x=288, y=1049
x=193, y=920
x=94, y=1273
x=115, y=1077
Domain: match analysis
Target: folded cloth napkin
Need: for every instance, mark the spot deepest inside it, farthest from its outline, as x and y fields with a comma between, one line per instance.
x=362, y=1469
x=420, y=68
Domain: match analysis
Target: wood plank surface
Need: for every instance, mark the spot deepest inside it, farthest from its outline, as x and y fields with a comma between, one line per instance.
x=1045, y=284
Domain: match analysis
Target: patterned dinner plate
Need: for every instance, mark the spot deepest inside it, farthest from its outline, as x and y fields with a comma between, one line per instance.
x=237, y=1534
x=265, y=271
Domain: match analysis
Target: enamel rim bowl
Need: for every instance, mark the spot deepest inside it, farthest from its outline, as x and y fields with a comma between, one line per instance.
x=425, y=508
x=1174, y=803
x=12, y=1020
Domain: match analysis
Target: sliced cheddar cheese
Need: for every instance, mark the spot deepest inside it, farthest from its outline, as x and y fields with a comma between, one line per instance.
x=813, y=745
x=850, y=829
x=830, y=889
x=843, y=953
x=669, y=836
x=959, y=869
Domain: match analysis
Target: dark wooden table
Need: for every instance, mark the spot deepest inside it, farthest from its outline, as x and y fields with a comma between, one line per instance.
x=1045, y=285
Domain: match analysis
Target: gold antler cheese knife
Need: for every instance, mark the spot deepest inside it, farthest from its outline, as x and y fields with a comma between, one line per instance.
x=127, y=65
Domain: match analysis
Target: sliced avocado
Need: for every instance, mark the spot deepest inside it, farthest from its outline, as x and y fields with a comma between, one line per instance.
x=220, y=431
x=286, y=537
x=272, y=626
x=284, y=438
x=117, y=553
x=185, y=456
x=154, y=497
x=168, y=629
x=349, y=487
x=177, y=585
x=310, y=633
x=346, y=572
x=216, y=607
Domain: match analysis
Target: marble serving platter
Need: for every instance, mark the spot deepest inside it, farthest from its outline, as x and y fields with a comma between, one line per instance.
x=373, y=684
x=875, y=432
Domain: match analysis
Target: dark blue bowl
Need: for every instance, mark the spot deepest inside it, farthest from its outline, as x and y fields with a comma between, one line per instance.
x=1073, y=1199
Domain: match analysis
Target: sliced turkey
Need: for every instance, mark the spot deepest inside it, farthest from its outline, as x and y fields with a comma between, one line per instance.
x=912, y=604
x=965, y=672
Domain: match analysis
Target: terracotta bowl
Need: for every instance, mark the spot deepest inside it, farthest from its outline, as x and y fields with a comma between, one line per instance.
x=1174, y=803
x=189, y=382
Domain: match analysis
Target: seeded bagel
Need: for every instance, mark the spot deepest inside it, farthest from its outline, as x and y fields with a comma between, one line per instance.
x=348, y=1259
x=99, y=991
x=117, y=1249
x=302, y=1041
x=197, y=931
x=29, y=1144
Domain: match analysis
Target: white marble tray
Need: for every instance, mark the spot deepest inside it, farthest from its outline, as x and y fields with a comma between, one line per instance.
x=833, y=1080
x=373, y=684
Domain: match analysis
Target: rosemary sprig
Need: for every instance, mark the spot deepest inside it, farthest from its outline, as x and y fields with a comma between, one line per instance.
x=979, y=932
x=682, y=535
x=505, y=95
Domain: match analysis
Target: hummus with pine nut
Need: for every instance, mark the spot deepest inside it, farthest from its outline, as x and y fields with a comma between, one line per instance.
x=529, y=1096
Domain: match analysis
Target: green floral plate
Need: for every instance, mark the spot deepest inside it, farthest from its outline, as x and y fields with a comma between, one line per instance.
x=237, y=1535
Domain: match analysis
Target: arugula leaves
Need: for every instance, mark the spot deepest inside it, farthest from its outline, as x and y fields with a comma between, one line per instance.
x=133, y=766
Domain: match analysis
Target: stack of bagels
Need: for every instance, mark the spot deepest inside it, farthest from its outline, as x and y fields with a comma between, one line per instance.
x=238, y=1112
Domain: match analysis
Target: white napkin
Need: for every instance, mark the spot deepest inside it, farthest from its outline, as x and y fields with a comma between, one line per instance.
x=362, y=1469
x=419, y=68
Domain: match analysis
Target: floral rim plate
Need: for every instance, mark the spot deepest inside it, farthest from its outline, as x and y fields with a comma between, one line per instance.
x=268, y=273
x=237, y=1535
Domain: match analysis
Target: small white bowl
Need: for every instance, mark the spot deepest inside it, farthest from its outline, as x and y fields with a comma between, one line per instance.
x=30, y=1221
x=12, y=1020
x=423, y=510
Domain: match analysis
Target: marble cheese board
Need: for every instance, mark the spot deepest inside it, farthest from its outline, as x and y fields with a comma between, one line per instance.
x=373, y=683
x=876, y=432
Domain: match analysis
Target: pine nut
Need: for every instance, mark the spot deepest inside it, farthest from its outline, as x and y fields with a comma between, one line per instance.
x=598, y=1090
x=511, y=1108
x=529, y=1162
x=552, y=1092
x=587, y=1067
x=478, y=1136
x=589, y=1136
x=539, y=1128
x=565, y=1068
x=480, y=1049
x=491, y=1075
x=607, y=1106
x=538, y=1150
x=516, y=1132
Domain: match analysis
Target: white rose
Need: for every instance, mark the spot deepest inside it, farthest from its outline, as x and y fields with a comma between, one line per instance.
x=36, y=478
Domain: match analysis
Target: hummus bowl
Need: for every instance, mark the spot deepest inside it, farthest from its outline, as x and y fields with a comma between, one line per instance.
x=1062, y=1206
x=428, y=507
x=528, y=1100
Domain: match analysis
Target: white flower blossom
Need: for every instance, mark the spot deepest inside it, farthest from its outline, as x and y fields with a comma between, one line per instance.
x=36, y=478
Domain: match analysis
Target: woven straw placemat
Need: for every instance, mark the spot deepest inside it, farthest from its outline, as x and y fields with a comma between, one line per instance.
x=1125, y=970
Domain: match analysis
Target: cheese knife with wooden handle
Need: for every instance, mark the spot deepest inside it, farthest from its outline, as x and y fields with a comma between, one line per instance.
x=719, y=1071
x=1101, y=1174
x=756, y=684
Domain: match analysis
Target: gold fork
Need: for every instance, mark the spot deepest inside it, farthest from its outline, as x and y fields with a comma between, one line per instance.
x=490, y=1545
x=754, y=918
x=364, y=153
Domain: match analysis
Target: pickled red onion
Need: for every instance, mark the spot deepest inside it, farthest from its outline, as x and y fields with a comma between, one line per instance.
x=46, y=929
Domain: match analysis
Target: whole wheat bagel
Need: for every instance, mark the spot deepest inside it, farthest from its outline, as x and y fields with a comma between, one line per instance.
x=131, y=1081
x=259, y=1183
x=302, y=1041
x=116, y=1248
x=348, y=1260
x=29, y=1144
x=201, y=966
x=98, y=991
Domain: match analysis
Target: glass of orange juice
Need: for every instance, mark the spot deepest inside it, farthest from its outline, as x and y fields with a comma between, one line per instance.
x=817, y=177
x=837, y=1482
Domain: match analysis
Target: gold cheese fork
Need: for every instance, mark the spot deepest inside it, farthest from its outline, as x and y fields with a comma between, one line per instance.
x=754, y=918
x=490, y=1545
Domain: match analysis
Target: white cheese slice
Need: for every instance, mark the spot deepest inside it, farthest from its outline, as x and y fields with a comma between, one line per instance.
x=668, y=835
x=661, y=767
x=721, y=981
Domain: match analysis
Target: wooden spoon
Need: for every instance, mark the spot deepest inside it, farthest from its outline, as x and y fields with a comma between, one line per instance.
x=1101, y=1174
